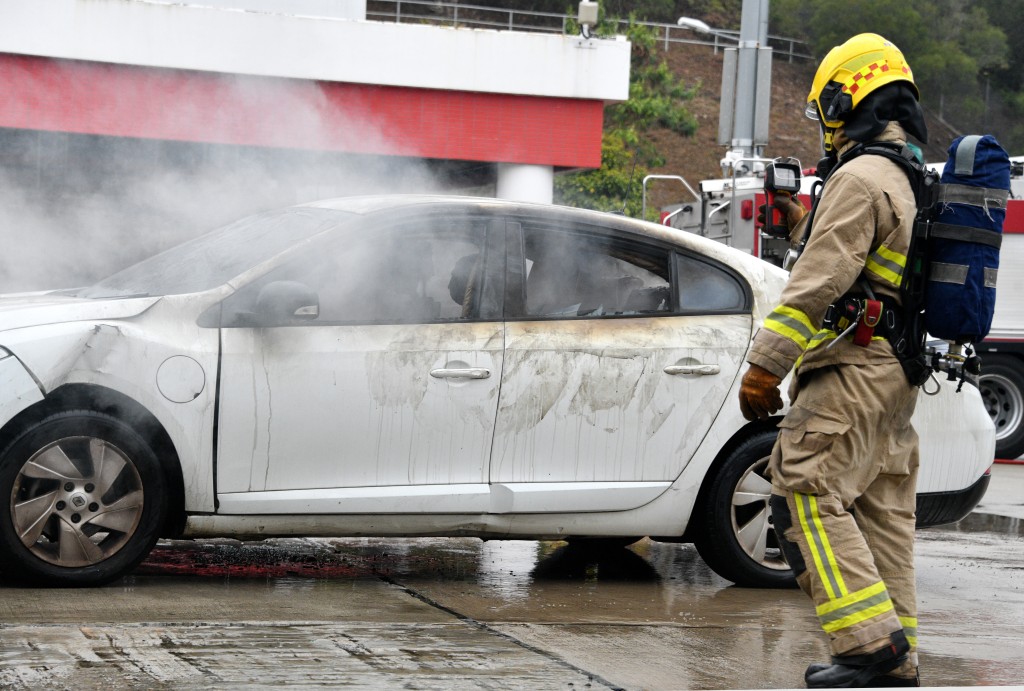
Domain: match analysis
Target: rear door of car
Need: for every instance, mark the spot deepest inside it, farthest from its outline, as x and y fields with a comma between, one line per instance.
x=383, y=398
x=620, y=351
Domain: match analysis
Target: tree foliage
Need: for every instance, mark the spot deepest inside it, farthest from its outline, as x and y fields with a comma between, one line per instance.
x=968, y=71
x=615, y=186
x=657, y=98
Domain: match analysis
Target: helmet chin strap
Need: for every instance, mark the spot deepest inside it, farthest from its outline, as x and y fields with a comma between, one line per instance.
x=827, y=147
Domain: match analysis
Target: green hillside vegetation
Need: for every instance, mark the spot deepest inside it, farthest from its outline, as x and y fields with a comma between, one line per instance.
x=971, y=76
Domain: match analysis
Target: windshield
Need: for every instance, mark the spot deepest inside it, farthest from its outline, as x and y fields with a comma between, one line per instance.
x=215, y=258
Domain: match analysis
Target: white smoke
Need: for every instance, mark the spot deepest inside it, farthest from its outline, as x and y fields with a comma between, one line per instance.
x=75, y=208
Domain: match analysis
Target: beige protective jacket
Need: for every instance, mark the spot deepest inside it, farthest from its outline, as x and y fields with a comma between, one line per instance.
x=862, y=229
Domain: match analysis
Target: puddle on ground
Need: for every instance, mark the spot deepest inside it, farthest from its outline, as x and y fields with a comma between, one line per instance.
x=987, y=523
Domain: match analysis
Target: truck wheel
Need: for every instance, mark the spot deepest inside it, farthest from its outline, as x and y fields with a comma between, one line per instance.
x=1002, y=389
x=82, y=500
x=738, y=541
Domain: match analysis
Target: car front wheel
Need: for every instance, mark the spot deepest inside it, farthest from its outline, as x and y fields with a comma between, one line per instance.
x=738, y=541
x=85, y=500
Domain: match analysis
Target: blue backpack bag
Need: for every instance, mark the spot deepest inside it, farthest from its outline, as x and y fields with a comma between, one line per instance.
x=964, y=232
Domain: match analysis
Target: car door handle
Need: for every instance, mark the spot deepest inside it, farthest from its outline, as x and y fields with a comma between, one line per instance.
x=468, y=373
x=702, y=370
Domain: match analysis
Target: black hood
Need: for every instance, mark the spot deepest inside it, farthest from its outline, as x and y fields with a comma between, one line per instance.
x=891, y=103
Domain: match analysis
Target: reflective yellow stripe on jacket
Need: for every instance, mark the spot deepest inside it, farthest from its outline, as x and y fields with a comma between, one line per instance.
x=887, y=265
x=792, y=324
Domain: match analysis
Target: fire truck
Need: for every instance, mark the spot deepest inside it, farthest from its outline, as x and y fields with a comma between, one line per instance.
x=725, y=209
x=1002, y=351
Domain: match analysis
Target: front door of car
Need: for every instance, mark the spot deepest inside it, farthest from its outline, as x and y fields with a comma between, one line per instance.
x=619, y=362
x=364, y=375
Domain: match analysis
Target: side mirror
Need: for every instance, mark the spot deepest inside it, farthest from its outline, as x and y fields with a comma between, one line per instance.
x=283, y=302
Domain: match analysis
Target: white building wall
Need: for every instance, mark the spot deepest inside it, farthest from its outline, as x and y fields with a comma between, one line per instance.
x=156, y=33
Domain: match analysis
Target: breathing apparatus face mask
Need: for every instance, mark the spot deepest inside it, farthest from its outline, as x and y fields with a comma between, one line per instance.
x=812, y=113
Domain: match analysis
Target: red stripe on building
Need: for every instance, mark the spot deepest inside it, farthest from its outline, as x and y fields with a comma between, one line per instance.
x=129, y=101
x=1014, y=221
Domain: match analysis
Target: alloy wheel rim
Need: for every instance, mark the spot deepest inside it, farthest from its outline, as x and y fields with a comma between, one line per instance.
x=76, y=501
x=752, y=518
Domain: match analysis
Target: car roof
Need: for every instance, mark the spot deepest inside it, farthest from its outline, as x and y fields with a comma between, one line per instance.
x=364, y=205
x=371, y=204
x=382, y=202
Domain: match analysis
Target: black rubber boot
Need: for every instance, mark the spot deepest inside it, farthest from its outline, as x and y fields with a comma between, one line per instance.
x=882, y=681
x=861, y=671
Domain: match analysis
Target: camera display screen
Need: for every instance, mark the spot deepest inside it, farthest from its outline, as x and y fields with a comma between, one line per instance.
x=785, y=179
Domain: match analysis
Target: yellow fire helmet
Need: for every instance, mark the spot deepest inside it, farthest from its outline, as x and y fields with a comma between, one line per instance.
x=852, y=71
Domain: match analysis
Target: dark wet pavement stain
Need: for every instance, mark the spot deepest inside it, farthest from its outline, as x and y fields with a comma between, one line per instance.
x=430, y=558
x=261, y=560
x=446, y=559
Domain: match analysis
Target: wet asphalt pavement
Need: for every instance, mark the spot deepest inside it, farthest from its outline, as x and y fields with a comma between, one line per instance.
x=467, y=614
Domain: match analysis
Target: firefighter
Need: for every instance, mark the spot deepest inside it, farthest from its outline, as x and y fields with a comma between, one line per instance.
x=844, y=468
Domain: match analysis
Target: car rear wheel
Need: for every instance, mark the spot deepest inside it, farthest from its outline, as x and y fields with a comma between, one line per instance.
x=85, y=500
x=738, y=541
x=1002, y=389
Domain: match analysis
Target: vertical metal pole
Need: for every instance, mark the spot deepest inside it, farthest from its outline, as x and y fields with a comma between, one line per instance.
x=728, y=100
x=753, y=35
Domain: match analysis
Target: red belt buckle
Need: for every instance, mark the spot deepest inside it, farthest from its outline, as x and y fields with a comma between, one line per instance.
x=868, y=321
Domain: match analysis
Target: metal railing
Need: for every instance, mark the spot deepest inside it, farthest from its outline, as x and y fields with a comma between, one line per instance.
x=457, y=14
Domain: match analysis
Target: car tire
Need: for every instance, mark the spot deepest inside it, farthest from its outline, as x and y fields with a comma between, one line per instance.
x=83, y=500
x=737, y=540
x=1002, y=389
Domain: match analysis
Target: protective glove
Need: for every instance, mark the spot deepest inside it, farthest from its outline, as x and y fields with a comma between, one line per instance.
x=791, y=207
x=759, y=394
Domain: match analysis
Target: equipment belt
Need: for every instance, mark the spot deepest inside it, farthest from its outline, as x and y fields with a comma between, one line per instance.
x=873, y=317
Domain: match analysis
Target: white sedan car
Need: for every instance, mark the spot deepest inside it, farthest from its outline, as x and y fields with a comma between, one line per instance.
x=402, y=366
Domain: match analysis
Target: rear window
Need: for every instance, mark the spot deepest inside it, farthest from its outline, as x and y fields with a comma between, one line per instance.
x=706, y=287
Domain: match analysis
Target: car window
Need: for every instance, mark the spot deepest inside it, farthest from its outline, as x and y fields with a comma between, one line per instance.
x=580, y=274
x=432, y=271
x=706, y=287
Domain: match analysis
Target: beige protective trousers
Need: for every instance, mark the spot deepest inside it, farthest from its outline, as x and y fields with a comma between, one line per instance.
x=845, y=464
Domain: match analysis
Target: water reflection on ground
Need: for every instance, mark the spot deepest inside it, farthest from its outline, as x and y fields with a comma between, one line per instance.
x=504, y=566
